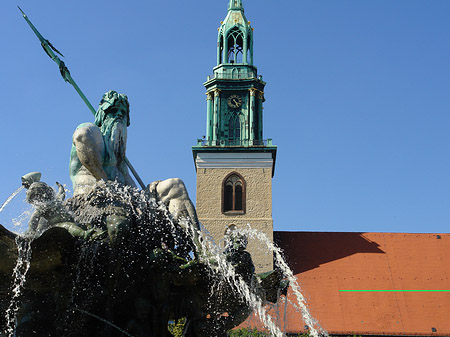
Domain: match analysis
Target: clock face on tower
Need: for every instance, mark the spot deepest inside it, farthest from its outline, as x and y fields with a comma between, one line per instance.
x=234, y=101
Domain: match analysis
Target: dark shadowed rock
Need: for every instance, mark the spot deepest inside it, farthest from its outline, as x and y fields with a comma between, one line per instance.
x=131, y=272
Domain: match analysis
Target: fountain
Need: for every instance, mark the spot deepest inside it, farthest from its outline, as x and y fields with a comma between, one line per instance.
x=115, y=260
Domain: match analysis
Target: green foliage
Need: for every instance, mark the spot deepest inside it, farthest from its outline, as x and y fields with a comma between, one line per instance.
x=247, y=333
x=255, y=333
x=176, y=328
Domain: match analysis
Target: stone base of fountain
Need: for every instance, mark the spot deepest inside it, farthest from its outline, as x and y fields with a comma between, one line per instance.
x=125, y=268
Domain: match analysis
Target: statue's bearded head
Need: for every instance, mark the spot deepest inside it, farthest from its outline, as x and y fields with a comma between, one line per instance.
x=113, y=105
x=113, y=118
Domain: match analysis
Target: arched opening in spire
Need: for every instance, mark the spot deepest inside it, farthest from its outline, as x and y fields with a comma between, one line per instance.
x=235, y=41
x=234, y=130
x=249, y=49
x=220, y=49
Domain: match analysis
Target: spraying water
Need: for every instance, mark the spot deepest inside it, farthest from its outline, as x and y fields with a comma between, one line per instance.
x=19, y=276
x=217, y=261
x=226, y=278
x=314, y=327
x=21, y=268
x=10, y=198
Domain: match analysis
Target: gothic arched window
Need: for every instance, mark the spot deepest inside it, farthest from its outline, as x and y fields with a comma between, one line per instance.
x=233, y=194
x=235, y=46
x=234, y=130
x=220, y=49
x=249, y=50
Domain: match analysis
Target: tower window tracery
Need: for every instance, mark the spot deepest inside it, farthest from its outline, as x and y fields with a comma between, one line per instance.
x=234, y=130
x=233, y=194
x=235, y=46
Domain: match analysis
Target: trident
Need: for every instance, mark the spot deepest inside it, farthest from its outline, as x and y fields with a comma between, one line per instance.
x=65, y=73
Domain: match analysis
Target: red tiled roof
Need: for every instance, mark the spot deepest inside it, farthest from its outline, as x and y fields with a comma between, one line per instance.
x=325, y=263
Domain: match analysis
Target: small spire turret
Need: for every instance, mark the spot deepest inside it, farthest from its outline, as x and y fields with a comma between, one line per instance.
x=235, y=93
x=235, y=5
x=235, y=40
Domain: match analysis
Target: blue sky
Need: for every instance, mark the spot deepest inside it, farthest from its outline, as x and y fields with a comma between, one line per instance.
x=357, y=100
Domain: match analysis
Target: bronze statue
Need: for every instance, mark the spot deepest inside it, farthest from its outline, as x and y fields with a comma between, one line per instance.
x=98, y=149
x=114, y=260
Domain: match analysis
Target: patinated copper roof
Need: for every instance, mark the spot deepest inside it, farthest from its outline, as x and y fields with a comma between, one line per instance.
x=326, y=263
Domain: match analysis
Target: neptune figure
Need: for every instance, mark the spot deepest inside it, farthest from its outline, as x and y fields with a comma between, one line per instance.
x=98, y=150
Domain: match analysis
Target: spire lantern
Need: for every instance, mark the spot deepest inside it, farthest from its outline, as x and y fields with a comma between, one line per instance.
x=235, y=39
x=235, y=92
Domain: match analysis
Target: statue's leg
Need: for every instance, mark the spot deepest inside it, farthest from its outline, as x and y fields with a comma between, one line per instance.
x=90, y=148
x=61, y=195
x=75, y=230
x=173, y=193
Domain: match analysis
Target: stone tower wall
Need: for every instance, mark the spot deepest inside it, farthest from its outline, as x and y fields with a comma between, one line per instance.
x=258, y=208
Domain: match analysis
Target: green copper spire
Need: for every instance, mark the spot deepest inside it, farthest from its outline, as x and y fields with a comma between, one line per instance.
x=235, y=5
x=234, y=97
x=235, y=39
x=235, y=92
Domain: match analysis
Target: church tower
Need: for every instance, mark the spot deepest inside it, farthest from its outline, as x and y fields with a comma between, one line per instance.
x=234, y=164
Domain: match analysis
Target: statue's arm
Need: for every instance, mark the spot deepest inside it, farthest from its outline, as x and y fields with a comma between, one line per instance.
x=61, y=195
